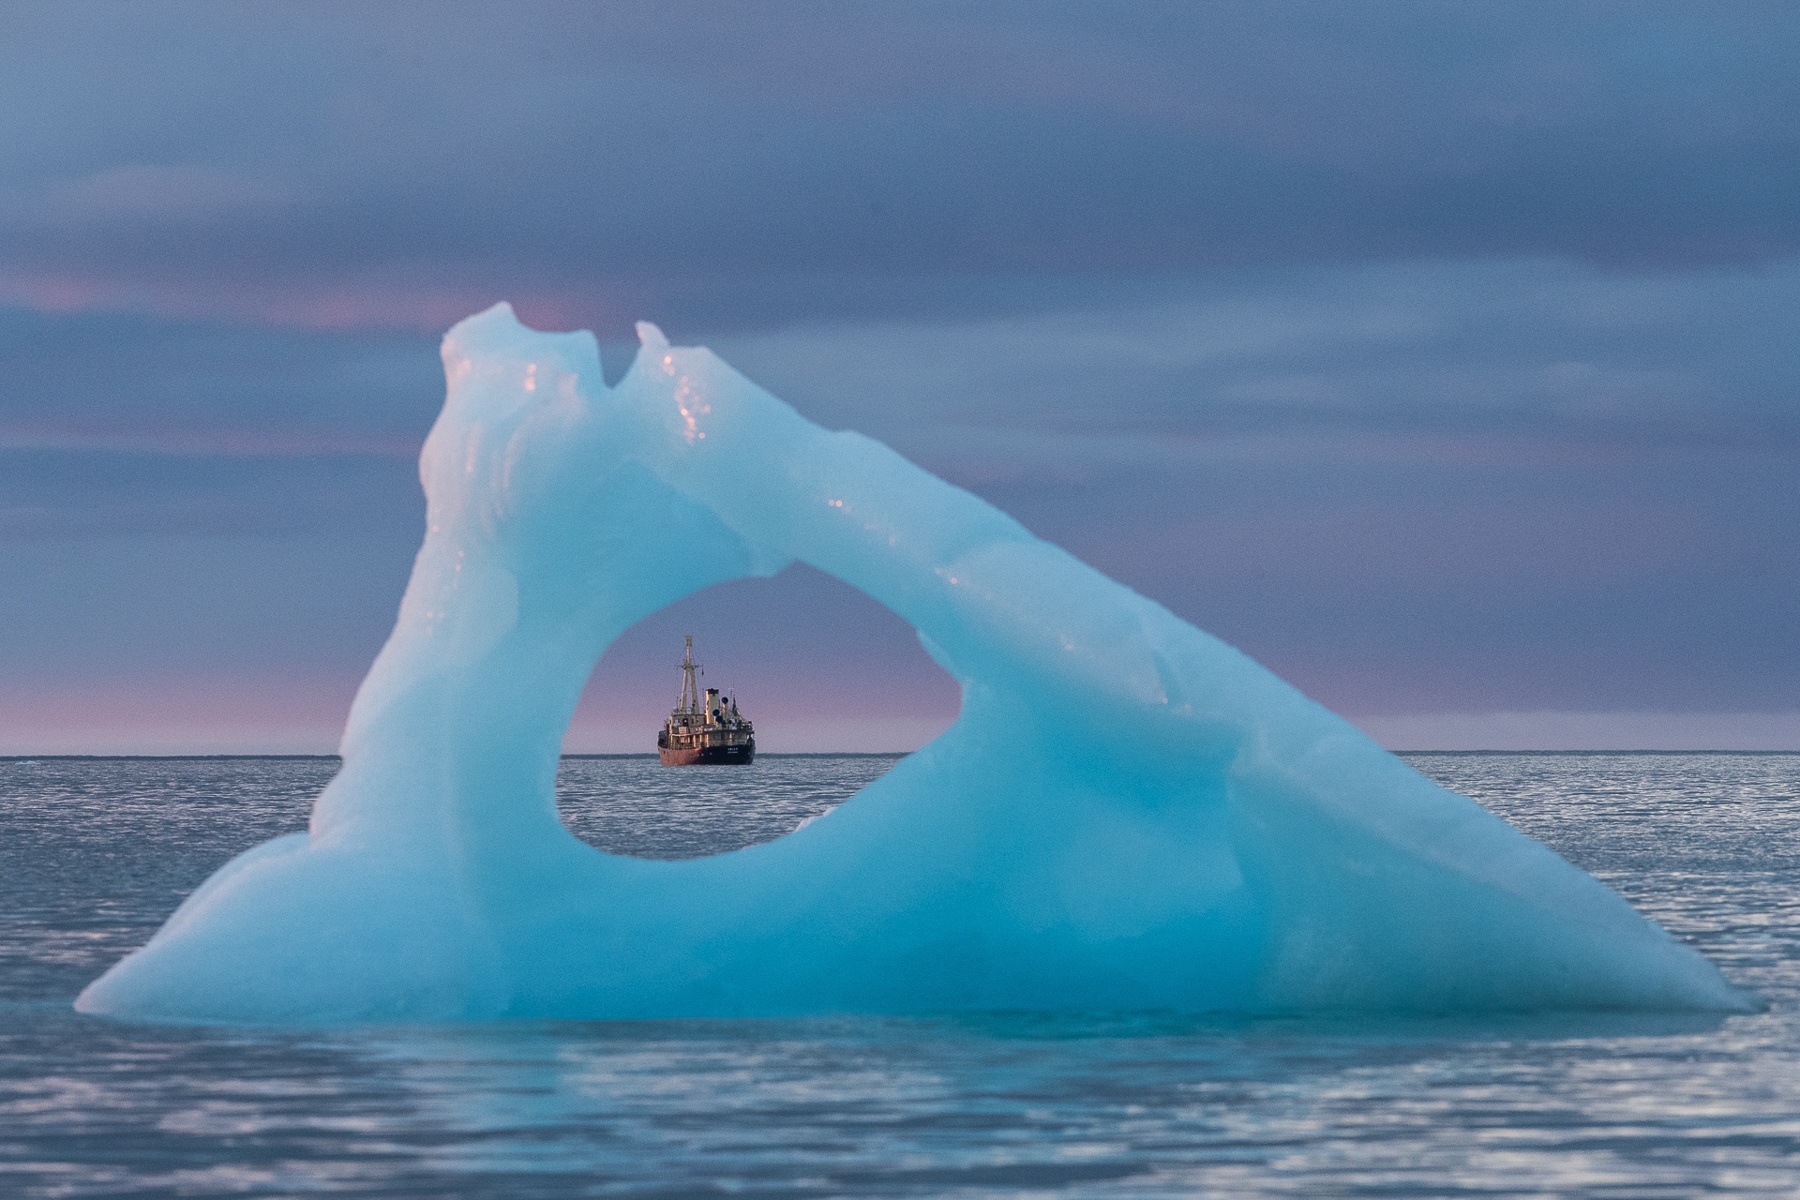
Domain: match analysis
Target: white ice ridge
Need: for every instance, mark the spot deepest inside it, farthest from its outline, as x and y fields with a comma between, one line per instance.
x=1128, y=814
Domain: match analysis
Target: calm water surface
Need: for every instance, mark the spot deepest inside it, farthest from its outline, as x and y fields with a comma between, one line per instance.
x=95, y=853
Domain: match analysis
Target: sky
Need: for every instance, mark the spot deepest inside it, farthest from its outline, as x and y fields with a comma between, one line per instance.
x=1440, y=356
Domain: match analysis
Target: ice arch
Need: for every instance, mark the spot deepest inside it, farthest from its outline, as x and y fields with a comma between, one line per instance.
x=1128, y=814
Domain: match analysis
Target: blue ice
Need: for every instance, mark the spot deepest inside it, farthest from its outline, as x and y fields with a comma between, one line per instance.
x=1128, y=814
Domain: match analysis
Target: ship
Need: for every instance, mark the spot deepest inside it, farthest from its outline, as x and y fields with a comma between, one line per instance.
x=705, y=728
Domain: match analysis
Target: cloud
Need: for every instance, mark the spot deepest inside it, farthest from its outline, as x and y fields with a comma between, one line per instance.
x=192, y=195
x=136, y=380
x=1424, y=355
x=721, y=168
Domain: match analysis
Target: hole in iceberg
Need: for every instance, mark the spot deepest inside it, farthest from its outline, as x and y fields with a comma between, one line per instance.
x=837, y=687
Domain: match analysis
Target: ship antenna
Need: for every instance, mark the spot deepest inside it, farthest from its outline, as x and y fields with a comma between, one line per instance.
x=690, y=692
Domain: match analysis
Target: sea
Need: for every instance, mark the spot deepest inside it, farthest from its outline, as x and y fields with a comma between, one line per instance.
x=95, y=852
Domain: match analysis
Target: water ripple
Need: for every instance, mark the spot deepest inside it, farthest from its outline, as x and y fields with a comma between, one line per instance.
x=94, y=853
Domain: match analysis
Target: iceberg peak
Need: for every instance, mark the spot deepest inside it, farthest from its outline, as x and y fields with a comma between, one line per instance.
x=651, y=338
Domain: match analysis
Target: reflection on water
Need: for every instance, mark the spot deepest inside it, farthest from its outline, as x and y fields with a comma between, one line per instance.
x=94, y=853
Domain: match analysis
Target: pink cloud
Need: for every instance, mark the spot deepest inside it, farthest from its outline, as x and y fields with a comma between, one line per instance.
x=380, y=304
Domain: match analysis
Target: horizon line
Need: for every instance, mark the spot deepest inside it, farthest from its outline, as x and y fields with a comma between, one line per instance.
x=32, y=758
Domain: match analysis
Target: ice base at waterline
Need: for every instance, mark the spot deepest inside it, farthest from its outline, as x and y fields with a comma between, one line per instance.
x=1128, y=814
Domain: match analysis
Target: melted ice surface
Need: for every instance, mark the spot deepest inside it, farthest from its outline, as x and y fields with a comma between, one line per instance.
x=1128, y=814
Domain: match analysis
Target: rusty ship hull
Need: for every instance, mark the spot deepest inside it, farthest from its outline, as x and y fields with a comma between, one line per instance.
x=707, y=756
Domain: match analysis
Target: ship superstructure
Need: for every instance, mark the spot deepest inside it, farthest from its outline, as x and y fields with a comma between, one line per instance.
x=705, y=726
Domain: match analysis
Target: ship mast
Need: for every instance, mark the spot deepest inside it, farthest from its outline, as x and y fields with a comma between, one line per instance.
x=690, y=690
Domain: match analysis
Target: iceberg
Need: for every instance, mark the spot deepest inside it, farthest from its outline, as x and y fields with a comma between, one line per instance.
x=1128, y=814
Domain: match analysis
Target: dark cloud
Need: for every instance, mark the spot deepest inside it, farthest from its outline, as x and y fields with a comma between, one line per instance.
x=1554, y=358
x=119, y=380
x=129, y=610
x=717, y=166
x=148, y=493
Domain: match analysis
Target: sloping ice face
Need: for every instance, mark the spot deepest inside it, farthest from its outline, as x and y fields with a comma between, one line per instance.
x=1129, y=814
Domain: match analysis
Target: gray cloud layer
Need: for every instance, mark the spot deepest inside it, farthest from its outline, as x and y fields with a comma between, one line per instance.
x=1439, y=355
x=722, y=165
